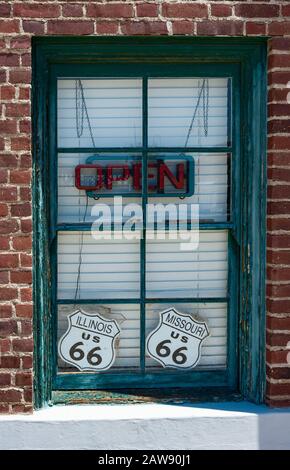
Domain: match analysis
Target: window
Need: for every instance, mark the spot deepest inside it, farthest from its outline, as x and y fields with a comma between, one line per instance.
x=141, y=134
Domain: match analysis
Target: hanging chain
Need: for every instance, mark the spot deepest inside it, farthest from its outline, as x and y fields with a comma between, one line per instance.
x=204, y=95
x=81, y=113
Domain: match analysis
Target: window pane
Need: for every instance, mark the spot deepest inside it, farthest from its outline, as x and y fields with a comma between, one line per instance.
x=110, y=109
x=204, y=177
x=73, y=206
x=203, y=272
x=127, y=345
x=97, y=269
x=188, y=112
x=214, y=347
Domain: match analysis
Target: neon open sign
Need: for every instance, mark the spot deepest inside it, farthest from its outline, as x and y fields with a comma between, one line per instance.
x=122, y=176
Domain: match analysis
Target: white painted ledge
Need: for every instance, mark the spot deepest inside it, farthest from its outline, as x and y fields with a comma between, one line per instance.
x=148, y=427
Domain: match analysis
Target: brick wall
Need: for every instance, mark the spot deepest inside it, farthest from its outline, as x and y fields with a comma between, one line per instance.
x=19, y=21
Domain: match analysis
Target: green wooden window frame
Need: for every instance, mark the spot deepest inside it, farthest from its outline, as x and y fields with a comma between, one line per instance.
x=244, y=61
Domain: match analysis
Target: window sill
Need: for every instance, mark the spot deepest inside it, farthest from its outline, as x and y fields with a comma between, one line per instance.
x=228, y=425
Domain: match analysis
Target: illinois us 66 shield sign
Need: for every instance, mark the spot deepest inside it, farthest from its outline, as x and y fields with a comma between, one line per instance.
x=177, y=340
x=89, y=342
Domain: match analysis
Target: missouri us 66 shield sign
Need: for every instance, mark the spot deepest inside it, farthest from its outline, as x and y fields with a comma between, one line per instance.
x=88, y=344
x=176, y=342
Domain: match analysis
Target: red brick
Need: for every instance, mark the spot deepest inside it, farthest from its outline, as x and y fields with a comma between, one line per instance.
x=144, y=27
x=26, y=60
x=220, y=9
x=8, y=126
x=17, y=110
x=274, y=290
x=7, y=92
x=34, y=27
x=5, y=10
x=8, y=293
x=278, y=94
x=220, y=28
x=279, y=192
x=147, y=10
x=277, y=339
x=4, y=408
x=7, y=161
x=279, y=142
x=3, y=211
x=25, y=260
x=25, y=161
x=26, y=226
x=9, y=60
x=3, y=176
x=21, y=277
x=22, y=408
x=22, y=345
x=278, y=78
x=285, y=10
x=9, y=362
x=25, y=194
x=4, y=277
x=5, y=379
x=20, y=76
x=20, y=176
x=278, y=388
x=278, y=373
x=36, y=10
x=26, y=294
x=184, y=10
x=24, y=93
x=279, y=28
x=8, y=194
x=20, y=42
x=280, y=223
x=28, y=395
x=182, y=27
x=107, y=27
x=280, y=44
x=255, y=28
x=112, y=10
x=278, y=323
x=277, y=403
x=9, y=26
x=256, y=11
x=23, y=378
x=5, y=346
x=276, y=208
x=24, y=310
x=2, y=143
x=27, y=362
x=278, y=60
x=9, y=260
x=23, y=210
x=5, y=311
x=10, y=396
x=278, y=306
x=276, y=357
x=278, y=274
x=72, y=10
x=9, y=226
x=279, y=125
x=25, y=327
x=8, y=327
x=70, y=27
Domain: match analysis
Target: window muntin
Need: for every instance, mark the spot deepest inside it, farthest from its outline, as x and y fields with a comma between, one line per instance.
x=213, y=195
